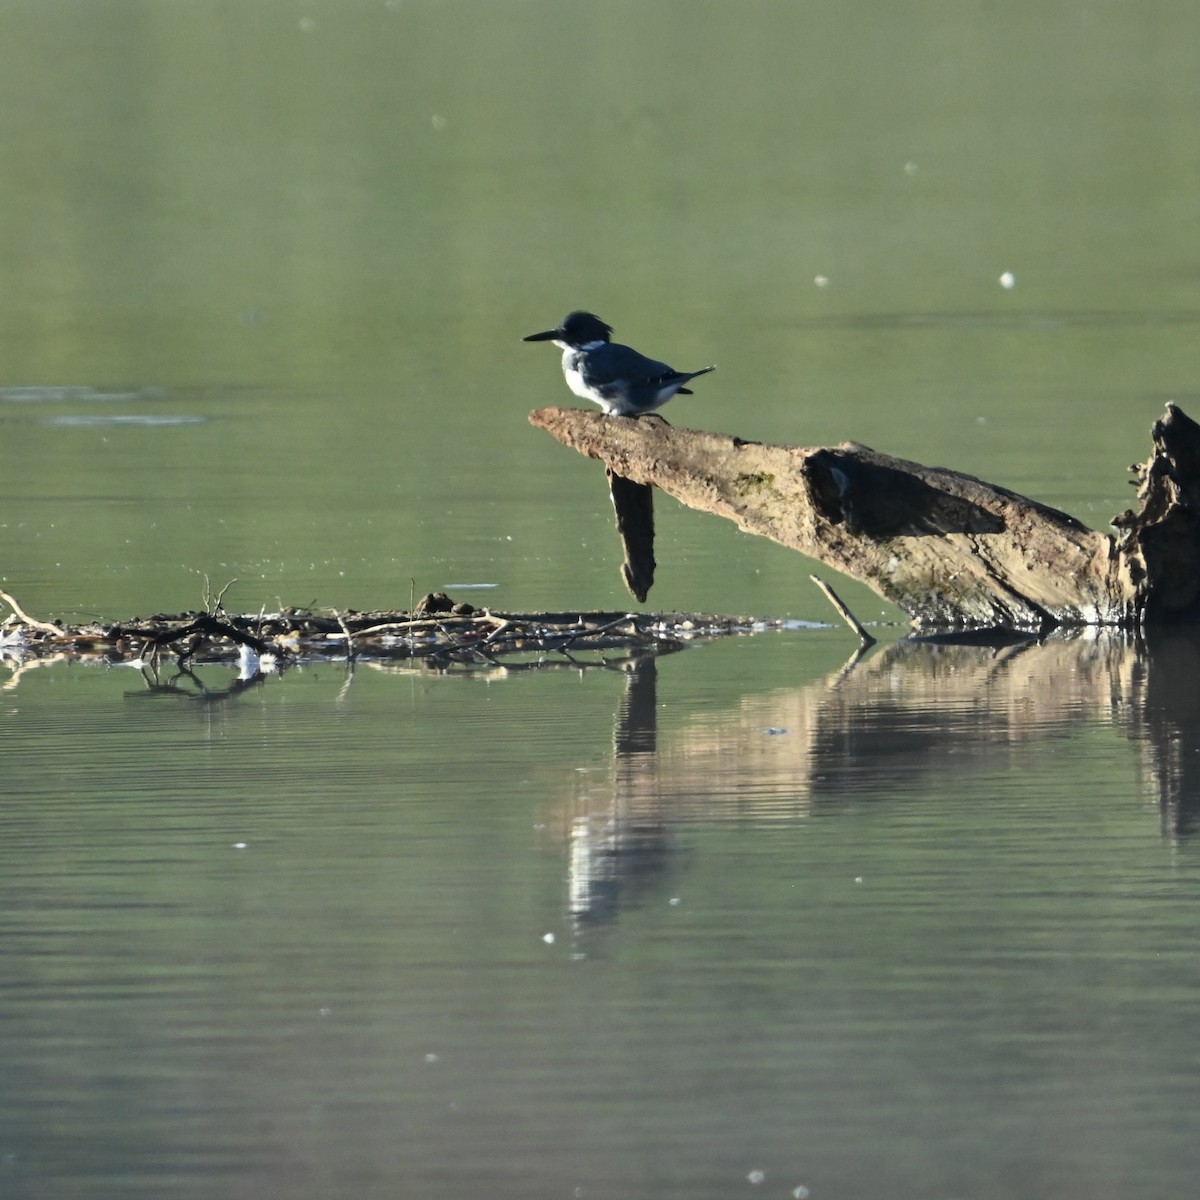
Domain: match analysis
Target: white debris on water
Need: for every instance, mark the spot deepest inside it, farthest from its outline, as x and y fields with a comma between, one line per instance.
x=251, y=663
x=1008, y=281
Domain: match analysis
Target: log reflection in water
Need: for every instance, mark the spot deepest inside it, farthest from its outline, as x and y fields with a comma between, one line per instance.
x=912, y=711
x=1161, y=710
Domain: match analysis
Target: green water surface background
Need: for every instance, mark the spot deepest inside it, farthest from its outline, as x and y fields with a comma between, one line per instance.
x=264, y=272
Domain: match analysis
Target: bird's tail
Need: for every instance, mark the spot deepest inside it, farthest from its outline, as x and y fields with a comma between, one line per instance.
x=684, y=391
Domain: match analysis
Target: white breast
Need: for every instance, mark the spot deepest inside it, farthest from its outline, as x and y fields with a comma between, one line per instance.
x=577, y=385
x=575, y=378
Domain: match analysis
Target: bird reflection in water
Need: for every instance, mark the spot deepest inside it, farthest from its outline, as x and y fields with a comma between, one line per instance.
x=618, y=852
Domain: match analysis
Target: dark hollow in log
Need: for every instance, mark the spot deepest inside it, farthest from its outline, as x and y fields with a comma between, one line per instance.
x=950, y=550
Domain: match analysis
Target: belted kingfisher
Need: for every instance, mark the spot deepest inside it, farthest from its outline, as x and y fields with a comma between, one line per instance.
x=619, y=379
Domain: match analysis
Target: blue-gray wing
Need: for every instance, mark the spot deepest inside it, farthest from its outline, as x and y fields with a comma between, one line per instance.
x=615, y=364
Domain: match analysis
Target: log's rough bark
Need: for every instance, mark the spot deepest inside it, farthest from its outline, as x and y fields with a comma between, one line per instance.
x=1158, y=544
x=950, y=550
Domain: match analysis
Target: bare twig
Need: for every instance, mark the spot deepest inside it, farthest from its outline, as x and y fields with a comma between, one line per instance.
x=598, y=630
x=25, y=618
x=219, y=605
x=863, y=636
x=502, y=628
x=346, y=632
x=214, y=605
x=427, y=623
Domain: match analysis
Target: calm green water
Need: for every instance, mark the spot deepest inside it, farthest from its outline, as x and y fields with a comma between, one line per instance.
x=924, y=929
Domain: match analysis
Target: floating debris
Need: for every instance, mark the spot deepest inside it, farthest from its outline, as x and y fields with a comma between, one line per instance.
x=439, y=633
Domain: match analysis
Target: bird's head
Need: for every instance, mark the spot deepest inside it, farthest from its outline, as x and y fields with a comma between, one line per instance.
x=578, y=329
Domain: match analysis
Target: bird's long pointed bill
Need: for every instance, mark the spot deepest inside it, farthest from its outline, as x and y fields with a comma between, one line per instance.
x=548, y=336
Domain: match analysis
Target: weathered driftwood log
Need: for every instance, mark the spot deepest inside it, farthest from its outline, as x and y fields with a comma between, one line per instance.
x=950, y=550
